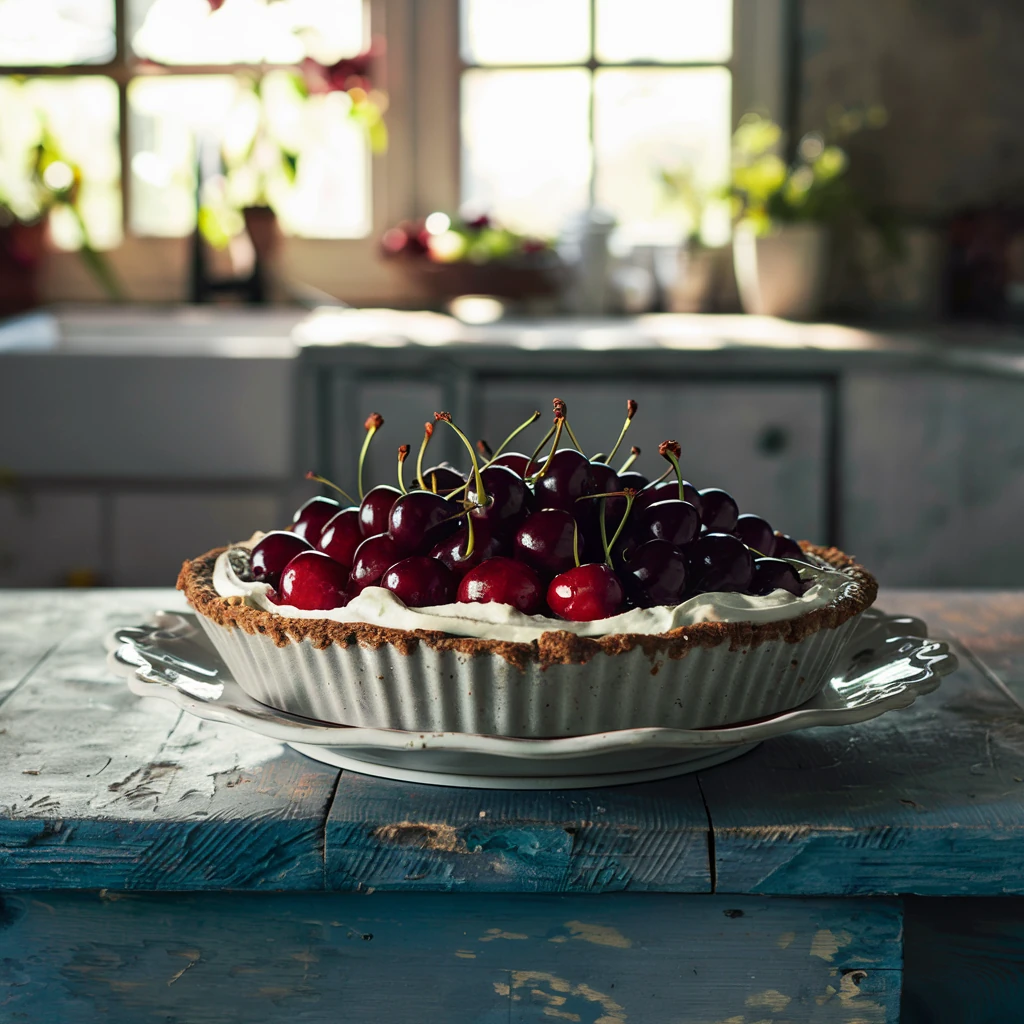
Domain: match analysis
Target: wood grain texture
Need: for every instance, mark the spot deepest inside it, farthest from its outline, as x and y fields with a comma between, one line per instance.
x=990, y=623
x=926, y=800
x=964, y=961
x=100, y=789
x=392, y=835
x=410, y=958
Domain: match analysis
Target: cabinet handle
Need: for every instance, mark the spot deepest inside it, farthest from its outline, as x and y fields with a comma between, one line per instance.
x=773, y=440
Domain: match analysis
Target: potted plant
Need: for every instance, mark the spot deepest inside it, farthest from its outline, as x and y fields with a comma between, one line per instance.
x=454, y=256
x=784, y=212
x=691, y=288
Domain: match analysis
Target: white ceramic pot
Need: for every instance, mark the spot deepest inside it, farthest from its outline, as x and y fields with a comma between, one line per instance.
x=782, y=274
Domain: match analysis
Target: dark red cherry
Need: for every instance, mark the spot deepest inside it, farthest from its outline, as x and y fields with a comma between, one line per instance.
x=273, y=552
x=448, y=478
x=420, y=519
x=719, y=562
x=655, y=574
x=673, y=520
x=420, y=582
x=605, y=480
x=508, y=498
x=665, y=490
x=517, y=462
x=786, y=547
x=504, y=581
x=756, y=533
x=375, y=508
x=631, y=478
x=372, y=559
x=312, y=517
x=774, y=574
x=312, y=581
x=487, y=543
x=341, y=536
x=585, y=593
x=545, y=541
x=567, y=478
x=718, y=510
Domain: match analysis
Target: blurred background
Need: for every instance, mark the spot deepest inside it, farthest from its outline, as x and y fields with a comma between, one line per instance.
x=792, y=230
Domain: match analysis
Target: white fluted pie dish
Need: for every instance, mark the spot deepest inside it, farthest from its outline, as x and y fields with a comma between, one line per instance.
x=562, y=684
x=888, y=664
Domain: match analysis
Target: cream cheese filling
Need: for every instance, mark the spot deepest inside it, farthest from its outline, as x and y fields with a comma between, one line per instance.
x=378, y=607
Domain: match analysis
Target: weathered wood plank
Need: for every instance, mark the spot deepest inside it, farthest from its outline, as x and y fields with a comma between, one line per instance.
x=100, y=789
x=392, y=835
x=411, y=957
x=964, y=961
x=927, y=800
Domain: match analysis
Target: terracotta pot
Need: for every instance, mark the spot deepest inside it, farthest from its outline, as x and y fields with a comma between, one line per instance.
x=263, y=230
x=782, y=274
x=22, y=249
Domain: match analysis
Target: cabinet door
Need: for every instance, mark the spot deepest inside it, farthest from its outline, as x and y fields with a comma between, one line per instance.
x=763, y=442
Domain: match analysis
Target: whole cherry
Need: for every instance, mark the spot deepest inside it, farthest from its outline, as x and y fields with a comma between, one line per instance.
x=718, y=510
x=517, y=462
x=419, y=519
x=341, y=536
x=634, y=479
x=786, y=547
x=664, y=490
x=503, y=581
x=586, y=592
x=545, y=541
x=446, y=477
x=771, y=574
x=675, y=521
x=719, y=562
x=655, y=574
x=487, y=544
x=312, y=517
x=372, y=559
x=756, y=533
x=567, y=476
x=420, y=582
x=312, y=581
x=273, y=552
x=509, y=500
x=375, y=509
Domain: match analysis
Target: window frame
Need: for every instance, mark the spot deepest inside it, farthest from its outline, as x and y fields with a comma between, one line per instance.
x=421, y=170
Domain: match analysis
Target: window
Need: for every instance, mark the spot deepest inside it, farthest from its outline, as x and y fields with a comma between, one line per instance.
x=122, y=100
x=569, y=103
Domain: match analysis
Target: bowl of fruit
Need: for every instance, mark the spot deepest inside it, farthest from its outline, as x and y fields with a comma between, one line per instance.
x=536, y=595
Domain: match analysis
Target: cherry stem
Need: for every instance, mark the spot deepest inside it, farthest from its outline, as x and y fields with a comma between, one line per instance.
x=481, y=494
x=373, y=423
x=428, y=433
x=403, y=454
x=576, y=543
x=664, y=476
x=433, y=482
x=562, y=414
x=543, y=441
x=630, y=494
x=551, y=454
x=634, y=452
x=630, y=413
x=670, y=450
x=515, y=433
x=470, y=538
x=605, y=546
x=323, y=480
x=484, y=449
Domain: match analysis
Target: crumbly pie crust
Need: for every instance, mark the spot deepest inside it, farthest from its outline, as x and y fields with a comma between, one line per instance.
x=557, y=647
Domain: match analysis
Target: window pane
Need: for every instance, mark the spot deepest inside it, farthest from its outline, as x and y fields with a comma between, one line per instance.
x=647, y=120
x=304, y=156
x=246, y=31
x=525, y=32
x=74, y=120
x=673, y=31
x=55, y=32
x=525, y=145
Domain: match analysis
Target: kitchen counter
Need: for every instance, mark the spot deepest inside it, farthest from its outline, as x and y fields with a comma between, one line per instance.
x=151, y=863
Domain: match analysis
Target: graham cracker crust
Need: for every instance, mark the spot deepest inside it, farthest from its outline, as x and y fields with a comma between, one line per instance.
x=557, y=647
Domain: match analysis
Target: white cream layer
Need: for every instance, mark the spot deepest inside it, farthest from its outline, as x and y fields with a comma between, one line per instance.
x=493, y=621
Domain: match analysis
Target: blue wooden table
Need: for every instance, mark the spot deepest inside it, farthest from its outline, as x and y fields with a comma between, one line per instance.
x=158, y=868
